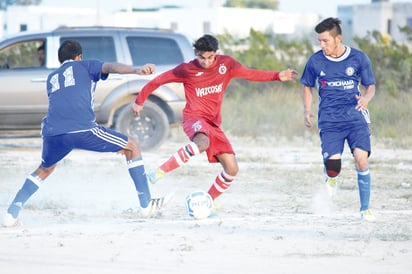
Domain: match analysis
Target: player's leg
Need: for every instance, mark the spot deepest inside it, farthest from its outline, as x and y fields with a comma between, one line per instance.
x=220, y=150
x=197, y=131
x=332, y=167
x=181, y=157
x=364, y=177
x=53, y=150
x=332, y=147
x=359, y=141
x=225, y=178
x=103, y=139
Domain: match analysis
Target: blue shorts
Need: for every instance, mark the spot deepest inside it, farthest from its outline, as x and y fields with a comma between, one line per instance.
x=99, y=139
x=333, y=141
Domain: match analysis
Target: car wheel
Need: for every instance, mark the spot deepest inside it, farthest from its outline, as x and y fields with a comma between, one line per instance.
x=149, y=130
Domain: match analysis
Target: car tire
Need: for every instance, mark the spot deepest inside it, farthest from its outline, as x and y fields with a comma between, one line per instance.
x=149, y=129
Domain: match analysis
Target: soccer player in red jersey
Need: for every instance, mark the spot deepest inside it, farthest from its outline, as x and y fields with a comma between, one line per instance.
x=205, y=79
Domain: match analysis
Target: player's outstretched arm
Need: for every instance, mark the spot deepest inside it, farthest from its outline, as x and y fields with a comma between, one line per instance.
x=287, y=75
x=126, y=69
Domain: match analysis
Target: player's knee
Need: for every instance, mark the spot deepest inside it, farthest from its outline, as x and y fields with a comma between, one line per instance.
x=131, y=151
x=192, y=149
x=232, y=170
x=202, y=141
x=333, y=167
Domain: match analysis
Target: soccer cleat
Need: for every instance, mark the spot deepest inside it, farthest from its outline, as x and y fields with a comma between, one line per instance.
x=155, y=176
x=155, y=206
x=10, y=221
x=331, y=185
x=213, y=212
x=367, y=215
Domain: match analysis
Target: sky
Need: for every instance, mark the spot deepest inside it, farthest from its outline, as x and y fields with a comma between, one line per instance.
x=325, y=8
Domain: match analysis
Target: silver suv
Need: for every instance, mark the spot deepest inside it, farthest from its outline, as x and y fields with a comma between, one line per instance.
x=23, y=97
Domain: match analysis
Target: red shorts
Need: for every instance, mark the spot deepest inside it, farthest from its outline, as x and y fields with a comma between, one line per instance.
x=219, y=143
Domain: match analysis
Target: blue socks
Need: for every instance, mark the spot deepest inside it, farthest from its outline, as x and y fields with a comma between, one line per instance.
x=138, y=174
x=30, y=186
x=364, y=183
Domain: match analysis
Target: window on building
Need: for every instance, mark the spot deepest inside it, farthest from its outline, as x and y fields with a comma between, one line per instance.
x=409, y=22
x=389, y=26
x=23, y=27
x=207, y=27
x=173, y=26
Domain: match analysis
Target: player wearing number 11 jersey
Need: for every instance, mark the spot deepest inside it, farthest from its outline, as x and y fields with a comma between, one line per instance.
x=70, y=124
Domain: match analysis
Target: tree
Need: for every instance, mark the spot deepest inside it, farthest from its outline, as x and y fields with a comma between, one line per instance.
x=392, y=62
x=263, y=51
x=256, y=4
x=5, y=3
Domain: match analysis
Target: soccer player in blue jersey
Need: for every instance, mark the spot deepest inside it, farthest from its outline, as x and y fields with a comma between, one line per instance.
x=337, y=71
x=70, y=124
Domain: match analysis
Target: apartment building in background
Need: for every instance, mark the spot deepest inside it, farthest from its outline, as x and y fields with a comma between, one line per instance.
x=379, y=15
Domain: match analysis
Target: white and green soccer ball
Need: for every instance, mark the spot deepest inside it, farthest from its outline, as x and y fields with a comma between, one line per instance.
x=199, y=204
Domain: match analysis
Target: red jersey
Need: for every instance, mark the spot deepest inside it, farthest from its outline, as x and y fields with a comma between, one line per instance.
x=205, y=87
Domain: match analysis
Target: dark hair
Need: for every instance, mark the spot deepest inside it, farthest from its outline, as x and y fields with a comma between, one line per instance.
x=68, y=50
x=329, y=24
x=206, y=43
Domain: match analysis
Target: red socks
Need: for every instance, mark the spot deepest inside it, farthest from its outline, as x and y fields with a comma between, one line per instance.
x=181, y=157
x=221, y=184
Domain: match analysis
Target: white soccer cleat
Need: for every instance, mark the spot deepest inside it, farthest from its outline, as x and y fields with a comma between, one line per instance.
x=367, y=215
x=10, y=221
x=155, y=206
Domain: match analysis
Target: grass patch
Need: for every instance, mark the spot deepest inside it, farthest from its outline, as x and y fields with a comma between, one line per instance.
x=279, y=112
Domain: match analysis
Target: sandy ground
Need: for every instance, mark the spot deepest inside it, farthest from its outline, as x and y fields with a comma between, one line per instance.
x=276, y=218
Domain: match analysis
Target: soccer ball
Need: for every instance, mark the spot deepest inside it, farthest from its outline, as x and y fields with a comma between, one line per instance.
x=199, y=204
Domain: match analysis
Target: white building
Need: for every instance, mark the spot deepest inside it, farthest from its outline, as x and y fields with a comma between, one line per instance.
x=192, y=21
x=379, y=15
x=217, y=20
x=38, y=18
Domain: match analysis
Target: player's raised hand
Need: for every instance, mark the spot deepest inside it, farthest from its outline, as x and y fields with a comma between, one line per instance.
x=287, y=75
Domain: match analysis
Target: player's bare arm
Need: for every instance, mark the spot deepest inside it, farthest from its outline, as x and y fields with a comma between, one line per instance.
x=307, y=105
x=287, y=75
x=147, y=69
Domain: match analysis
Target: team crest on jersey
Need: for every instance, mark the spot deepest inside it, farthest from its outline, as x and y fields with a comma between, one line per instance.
x=350, y=71
x=222, y=69
x=197, y=126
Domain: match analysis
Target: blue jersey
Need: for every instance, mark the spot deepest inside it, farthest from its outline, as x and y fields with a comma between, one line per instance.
x=337, y=80
x=71, y=89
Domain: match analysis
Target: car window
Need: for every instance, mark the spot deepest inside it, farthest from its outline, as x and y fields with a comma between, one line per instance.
x=100, y=48
x=159, y=51
x=23, y=55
